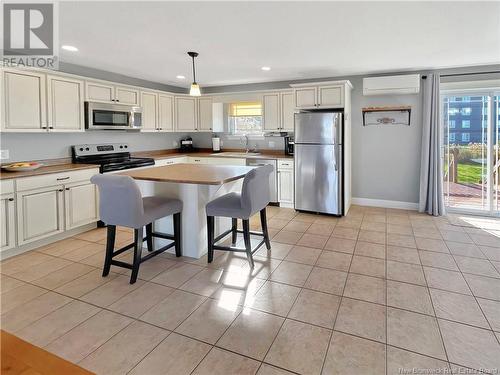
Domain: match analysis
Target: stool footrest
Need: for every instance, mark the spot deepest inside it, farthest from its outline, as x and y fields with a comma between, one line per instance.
x=239, y=249
x=165, y=236
x=119, y=263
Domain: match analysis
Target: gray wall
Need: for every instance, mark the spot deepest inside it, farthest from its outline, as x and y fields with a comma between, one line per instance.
x=57, y=145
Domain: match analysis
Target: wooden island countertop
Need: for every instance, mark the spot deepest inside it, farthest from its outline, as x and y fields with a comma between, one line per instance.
x=191, y=173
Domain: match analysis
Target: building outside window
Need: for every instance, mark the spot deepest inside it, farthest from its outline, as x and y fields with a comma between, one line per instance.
x=453, y=111
x=465, y=124
x=451, y=124
x=465, y=137
x=466, y=111
x=452, y=137
x=466, y=98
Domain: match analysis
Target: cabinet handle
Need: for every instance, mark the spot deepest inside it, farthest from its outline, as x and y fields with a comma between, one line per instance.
x=11, y=199
x=117, y=100
x=51, y=127
x=62, y=178
x=60, y=190
x=67, y=188
x=161, y=128
x=44, y=127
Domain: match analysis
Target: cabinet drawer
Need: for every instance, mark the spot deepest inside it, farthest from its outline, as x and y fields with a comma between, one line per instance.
x=285, y=164
x=62, y=178
x=7, y=186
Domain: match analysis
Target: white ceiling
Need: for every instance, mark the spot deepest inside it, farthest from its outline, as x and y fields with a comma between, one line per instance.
x=297, y=40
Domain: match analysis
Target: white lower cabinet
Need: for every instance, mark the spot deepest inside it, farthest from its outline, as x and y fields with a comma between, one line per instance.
x=170, y=161
x=42, y=206
x=286, y=183
x=80, y=203
x=7, y=222
x=40, y=213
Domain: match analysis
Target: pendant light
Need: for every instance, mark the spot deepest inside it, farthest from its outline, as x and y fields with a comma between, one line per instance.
x=195, y=88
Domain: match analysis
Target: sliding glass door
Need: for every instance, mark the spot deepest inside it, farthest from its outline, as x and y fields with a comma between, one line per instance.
x=471, y=152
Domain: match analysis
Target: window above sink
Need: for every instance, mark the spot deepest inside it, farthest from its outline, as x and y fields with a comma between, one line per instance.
x=245, y=118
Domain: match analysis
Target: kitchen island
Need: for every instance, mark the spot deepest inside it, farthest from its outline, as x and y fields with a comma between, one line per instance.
x=195, y=185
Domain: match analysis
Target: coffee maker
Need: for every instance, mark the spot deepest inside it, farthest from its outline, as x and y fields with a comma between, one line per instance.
x=187, y=144
x=289, y=144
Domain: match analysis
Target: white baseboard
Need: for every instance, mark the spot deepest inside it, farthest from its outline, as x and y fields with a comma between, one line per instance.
x=385, y=203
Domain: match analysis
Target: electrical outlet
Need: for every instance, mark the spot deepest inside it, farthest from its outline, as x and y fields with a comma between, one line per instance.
x=271, y=144
x=4, y=154
x=175, y=143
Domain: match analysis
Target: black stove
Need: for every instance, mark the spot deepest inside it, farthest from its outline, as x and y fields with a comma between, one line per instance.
x=110, y=157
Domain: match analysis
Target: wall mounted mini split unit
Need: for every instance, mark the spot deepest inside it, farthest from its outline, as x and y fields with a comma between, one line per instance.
x=392, y=85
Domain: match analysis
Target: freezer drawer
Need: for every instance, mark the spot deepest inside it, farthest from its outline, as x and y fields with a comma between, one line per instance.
x=318, y=178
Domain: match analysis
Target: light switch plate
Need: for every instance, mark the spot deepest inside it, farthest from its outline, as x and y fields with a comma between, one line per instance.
x=4, y=154
x=272, y=144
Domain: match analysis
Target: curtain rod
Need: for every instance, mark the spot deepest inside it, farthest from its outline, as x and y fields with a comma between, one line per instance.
x=465, y=74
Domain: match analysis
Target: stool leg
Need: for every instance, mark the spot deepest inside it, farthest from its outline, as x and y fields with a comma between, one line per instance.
x=149, y=236
x=248, y=244
x=177, y=234
x=110, y=246
x=263, y=224
x=210, y=237
x=234, y=229
x=137, y=254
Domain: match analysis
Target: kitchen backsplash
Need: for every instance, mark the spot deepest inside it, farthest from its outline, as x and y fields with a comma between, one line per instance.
x=38, y=146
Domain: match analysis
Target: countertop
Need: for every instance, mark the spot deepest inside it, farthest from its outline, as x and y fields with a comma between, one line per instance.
x=168, y=154
x=65, y=165
x=190, y=173
x=47, y=169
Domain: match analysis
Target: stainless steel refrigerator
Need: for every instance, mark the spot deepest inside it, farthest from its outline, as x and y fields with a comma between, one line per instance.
x=319, y=162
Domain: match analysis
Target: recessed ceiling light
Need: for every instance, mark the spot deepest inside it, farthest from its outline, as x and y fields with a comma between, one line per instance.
x=70, y=48
x=266, y=68
x=180, y=77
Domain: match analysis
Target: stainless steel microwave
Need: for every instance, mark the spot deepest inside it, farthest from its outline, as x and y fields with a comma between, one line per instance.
x=106, y=116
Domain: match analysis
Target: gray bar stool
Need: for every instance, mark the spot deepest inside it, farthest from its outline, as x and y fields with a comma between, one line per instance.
x=254, y=197
x=121, y=203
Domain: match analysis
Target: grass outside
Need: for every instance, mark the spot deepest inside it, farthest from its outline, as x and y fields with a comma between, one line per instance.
x=469, y=173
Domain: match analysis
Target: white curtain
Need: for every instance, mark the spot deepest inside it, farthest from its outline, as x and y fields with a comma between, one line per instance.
x=431, y=168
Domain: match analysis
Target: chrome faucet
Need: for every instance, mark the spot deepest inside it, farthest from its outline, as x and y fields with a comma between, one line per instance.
x=246, y=142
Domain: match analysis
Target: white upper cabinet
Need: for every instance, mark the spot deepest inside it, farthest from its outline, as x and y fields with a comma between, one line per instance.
x=109, y=93
x=331, y=96
x=305, y=97
x=99, y=92
x=320, y=94
x=271, y=104
x=149, y=111
x=65, y=104
x=205, y=114
x=165, y=113
x=126, y=95
x=287, y=111
x=185, y=113
x=23, y=101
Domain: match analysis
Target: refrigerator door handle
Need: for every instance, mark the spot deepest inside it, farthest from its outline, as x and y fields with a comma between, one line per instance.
x=335, y=160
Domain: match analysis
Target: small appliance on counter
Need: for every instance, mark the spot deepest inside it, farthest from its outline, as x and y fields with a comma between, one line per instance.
x=187, y=144
x=289, y=145
x=216, y=143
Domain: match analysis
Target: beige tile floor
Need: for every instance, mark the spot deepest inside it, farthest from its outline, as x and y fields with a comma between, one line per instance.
x=378, y=292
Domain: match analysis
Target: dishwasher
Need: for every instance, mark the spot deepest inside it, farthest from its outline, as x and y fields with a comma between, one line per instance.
x=273, y=178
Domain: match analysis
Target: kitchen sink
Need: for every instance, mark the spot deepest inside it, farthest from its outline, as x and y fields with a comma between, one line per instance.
x=238, y=154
